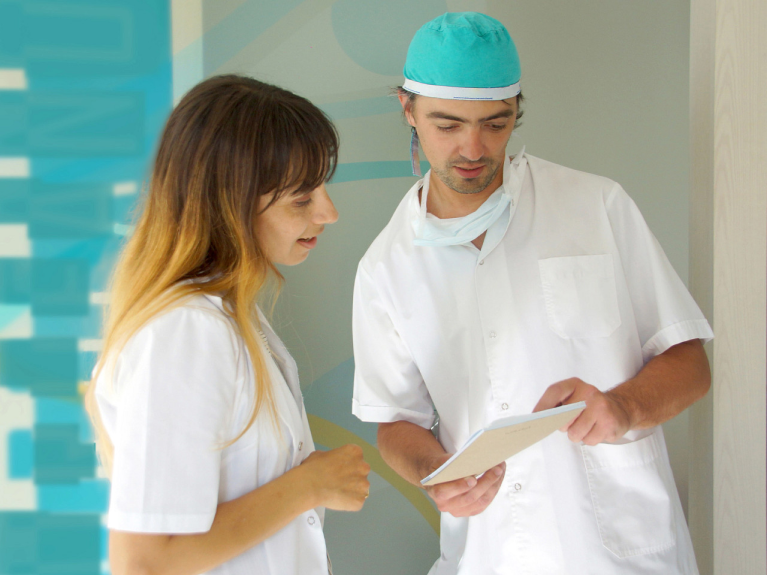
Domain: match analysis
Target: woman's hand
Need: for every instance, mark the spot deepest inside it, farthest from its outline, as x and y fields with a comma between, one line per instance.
x=338, y=477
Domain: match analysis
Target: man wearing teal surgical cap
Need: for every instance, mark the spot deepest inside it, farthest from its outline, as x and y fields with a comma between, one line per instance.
x=503, y=286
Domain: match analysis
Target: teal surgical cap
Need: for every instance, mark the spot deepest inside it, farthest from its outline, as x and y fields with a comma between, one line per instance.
x=463, y=56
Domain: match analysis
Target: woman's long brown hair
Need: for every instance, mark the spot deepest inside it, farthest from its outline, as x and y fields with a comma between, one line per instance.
x=230, y=140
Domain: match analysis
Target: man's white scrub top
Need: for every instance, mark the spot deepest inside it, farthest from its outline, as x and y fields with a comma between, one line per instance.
x=573, y=284
x=181, y=388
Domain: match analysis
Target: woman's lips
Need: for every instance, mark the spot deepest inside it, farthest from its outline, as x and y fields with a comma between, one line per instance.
x=310, y=243
x=469, y=173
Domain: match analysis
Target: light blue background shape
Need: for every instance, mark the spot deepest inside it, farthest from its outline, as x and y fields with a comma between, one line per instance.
x=98, y=92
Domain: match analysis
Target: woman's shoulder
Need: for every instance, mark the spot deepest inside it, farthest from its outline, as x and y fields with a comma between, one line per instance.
x=200, y=319
x=188, y=336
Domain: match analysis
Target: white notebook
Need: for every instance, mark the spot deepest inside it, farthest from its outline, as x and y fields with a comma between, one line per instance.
x=503, y=439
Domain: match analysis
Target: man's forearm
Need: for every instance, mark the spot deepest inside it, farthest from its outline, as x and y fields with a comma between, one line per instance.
x=410, y=450
x=666, y=386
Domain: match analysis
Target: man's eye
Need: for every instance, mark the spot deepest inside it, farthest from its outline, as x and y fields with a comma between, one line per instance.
x=497, y=127
x=447, y=128
x=303, y=203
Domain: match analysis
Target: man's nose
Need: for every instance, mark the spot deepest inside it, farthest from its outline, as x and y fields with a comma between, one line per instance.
x=472, y=147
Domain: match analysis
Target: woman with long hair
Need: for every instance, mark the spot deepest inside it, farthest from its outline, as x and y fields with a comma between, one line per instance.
x=198, y=414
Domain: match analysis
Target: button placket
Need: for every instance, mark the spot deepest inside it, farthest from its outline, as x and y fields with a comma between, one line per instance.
x=487, y=317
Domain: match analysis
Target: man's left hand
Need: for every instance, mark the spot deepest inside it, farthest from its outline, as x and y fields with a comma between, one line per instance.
x=606, y=417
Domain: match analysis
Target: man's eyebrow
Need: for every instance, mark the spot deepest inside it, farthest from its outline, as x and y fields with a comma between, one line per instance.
x=442, y=116
x=504, y=114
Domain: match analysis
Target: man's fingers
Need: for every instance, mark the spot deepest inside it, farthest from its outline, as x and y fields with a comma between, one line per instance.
x=596, y=435
x=566, y=427
x=580, y=393
x=480, y=497
x=451, y=489
x=582, y=425
x=486, y=499
x=485, y=483
x=556, y=394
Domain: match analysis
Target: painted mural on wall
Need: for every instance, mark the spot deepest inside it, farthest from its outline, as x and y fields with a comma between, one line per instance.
x=84, y=89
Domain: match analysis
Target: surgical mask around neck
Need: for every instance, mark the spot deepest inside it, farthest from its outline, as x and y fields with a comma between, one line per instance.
x=430, y=231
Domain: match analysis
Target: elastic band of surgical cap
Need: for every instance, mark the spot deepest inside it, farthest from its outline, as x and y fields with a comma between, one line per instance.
x=463, y=56
x=459, y=93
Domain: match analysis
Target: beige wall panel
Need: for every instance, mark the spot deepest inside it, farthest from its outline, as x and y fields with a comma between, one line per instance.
x=740, y=253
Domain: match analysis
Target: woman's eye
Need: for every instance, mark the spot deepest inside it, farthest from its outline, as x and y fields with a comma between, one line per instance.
x=303, y=203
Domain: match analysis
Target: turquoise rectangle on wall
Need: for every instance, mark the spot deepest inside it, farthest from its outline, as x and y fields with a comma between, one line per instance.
x=60, y=457
x=60, y=544
x=14, y=200
x=45, y=367
x=13, y=123
x=21, y=454
x=88, y=496
x=59, y=287
x=67, y=123
x=15, y=281
x=85, y=38
x=70, y=210
x=85, y=124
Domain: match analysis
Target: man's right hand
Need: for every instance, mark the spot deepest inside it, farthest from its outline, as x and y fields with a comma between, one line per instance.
x=467, y=496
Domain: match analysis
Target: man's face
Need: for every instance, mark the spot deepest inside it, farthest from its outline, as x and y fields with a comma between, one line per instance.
x=464, y=140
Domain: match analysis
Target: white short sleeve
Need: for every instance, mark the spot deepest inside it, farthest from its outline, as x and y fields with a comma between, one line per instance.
x=387, y=384
x=665, y=312
x=174, y=393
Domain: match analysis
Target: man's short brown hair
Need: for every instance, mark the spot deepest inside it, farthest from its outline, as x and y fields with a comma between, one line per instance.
x=411, y=97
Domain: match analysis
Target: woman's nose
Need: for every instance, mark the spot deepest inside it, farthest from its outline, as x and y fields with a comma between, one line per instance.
x=326, y=212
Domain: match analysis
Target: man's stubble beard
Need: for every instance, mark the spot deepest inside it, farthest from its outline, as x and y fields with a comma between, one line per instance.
x=463, y=186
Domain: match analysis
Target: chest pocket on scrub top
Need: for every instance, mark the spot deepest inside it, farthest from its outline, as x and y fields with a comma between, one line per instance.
x=580, y=295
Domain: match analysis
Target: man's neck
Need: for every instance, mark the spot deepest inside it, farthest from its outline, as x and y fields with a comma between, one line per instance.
x=444, y=202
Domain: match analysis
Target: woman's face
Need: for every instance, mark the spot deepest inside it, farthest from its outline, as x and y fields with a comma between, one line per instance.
x=290, y=227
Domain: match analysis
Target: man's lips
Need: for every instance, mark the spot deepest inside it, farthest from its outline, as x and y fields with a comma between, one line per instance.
x=469, y=172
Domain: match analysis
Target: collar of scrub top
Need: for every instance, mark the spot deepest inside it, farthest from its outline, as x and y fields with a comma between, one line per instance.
x=285, y=363
x=461, y=56
x=432, y=231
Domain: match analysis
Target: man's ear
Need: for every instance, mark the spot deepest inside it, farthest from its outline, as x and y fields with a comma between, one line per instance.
x=403, y=98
